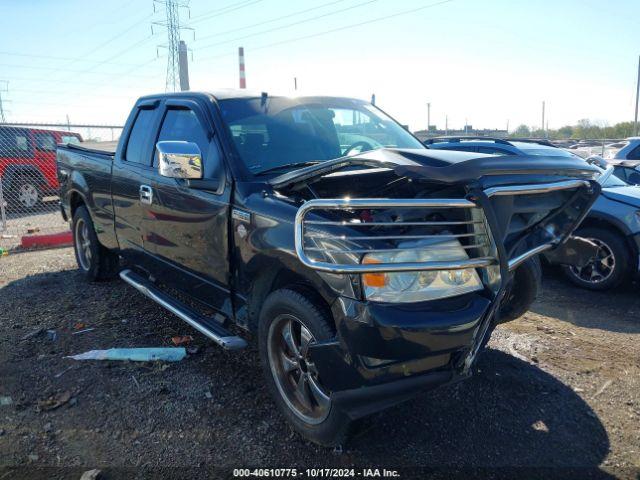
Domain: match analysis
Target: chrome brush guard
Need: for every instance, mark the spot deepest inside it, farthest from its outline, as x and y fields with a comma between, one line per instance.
x=342, y=254
x=310, y=238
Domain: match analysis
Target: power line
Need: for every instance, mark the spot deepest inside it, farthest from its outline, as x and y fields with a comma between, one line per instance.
x=300, y=12
x=333, y=30
x=306, y=20
x=223, y=11
x=40, y=67
x=53, y=57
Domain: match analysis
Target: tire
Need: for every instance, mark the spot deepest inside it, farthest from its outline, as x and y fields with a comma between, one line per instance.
x=522, y=291
x=610, y=270
x=25, y=193
x=309, y=410
x=94, y=260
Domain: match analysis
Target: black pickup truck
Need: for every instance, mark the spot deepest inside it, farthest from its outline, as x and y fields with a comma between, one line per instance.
x=368, y=267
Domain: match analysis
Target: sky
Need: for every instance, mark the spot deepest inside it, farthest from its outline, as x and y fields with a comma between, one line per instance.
x=489, y=63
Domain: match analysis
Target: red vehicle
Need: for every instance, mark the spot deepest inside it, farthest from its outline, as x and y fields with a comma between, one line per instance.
x=28, y=163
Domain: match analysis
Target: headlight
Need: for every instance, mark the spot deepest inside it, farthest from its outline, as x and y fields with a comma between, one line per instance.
x=423, y=285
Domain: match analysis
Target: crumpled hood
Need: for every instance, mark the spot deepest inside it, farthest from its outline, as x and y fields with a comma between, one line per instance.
x=448, y=167
x=629, y=194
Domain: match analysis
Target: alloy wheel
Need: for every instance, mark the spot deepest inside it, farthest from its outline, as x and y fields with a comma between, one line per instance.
x=295, y=374
x=83, y=244
x=600, y=267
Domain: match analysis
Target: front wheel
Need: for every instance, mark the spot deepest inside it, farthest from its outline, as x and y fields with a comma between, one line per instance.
x=289, y=323
x=608, y=268
x=94, y=260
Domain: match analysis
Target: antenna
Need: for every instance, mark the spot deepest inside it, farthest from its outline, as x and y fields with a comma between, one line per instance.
x=173, y=27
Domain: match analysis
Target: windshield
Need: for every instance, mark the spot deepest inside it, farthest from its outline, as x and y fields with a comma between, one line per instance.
x=541, y=150
x=279, y=133
x=612, y=181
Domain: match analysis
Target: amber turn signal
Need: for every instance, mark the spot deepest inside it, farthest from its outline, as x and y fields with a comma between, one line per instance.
x=373, y=279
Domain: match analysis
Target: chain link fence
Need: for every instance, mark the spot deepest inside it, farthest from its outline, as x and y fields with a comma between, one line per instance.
x=29, y=202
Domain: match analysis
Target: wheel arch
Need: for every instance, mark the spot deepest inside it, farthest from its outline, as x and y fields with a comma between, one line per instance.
x=14, y=172
x=269, y=274
x=609, y=222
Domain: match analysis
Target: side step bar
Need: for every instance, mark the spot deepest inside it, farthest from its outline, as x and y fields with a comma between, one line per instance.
x=206, y=326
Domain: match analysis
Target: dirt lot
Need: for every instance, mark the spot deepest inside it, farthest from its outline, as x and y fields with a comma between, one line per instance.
x=558, y=388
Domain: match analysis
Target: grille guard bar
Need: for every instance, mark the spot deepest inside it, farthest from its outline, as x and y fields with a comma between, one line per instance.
x=368, y=203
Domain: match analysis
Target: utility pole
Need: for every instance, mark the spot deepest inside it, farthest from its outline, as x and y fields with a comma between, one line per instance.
x=635, y=121
x=68, y=123
x=542, y=125
x=183, y=65
x=446, y=125
x=243, y=72
x=295, y=83
x=428, y=117
x=173, y=27
x=3, y=90
x=373, y=99
x=507, y=126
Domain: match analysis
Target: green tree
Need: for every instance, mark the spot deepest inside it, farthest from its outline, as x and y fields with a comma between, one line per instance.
x=521, y=131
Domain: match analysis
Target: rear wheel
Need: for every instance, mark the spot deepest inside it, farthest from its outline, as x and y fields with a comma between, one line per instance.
x=289, y=323
x=608, y=268
x=94, y=260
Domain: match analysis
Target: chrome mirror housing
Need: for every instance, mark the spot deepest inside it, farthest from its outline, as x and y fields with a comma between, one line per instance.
x=178, y=159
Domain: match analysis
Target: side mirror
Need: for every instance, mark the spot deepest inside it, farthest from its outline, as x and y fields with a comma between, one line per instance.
x=179, y=159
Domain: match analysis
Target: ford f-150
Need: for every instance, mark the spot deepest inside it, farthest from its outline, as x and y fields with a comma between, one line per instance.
x=368, y=267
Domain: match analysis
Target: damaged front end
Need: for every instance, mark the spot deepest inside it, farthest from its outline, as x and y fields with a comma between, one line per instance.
x=430, y=256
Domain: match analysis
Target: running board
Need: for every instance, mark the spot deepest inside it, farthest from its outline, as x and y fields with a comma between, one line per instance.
x=204, y=325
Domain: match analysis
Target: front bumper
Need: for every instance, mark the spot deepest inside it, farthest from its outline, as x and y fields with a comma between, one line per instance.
x=387, y=353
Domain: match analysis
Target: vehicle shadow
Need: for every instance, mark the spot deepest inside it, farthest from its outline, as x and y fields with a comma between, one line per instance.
x=510, y=414
x=616, y=310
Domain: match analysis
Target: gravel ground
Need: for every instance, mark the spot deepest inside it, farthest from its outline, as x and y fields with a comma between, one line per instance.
x=558, y=391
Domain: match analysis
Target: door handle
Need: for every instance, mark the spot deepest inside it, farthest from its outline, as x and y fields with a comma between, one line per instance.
x=146, y=194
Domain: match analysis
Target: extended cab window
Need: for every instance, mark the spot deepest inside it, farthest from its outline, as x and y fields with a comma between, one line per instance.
x=137, y=144
x=183, y=125
x=45, y=142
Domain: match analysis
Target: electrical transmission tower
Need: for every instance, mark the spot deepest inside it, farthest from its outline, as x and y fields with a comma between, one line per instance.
x=173, y=27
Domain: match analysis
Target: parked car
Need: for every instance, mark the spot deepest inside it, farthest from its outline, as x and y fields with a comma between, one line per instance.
x=497, y=146
x=613, y=222
x=628, y=150
x=626, y=170
x=366, y=278
x=28, y=163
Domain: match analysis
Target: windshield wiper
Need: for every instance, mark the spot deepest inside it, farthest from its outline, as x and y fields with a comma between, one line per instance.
x=288, y=165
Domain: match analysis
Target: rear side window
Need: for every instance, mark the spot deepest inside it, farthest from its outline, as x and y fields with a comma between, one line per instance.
x=137, y=145
x=45, y=142
x=183, y=125
x=14, y=142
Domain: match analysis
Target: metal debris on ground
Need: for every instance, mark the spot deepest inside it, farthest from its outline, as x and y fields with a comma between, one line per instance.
x=32, y=334
x=135, y=354
x=94, y=474
x=5, y=401
x=83, y=331
x=55, y=401
x=182, y=339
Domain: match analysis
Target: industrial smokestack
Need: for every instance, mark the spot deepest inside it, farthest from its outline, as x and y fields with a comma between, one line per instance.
x=243, y=78
x=183, y=63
